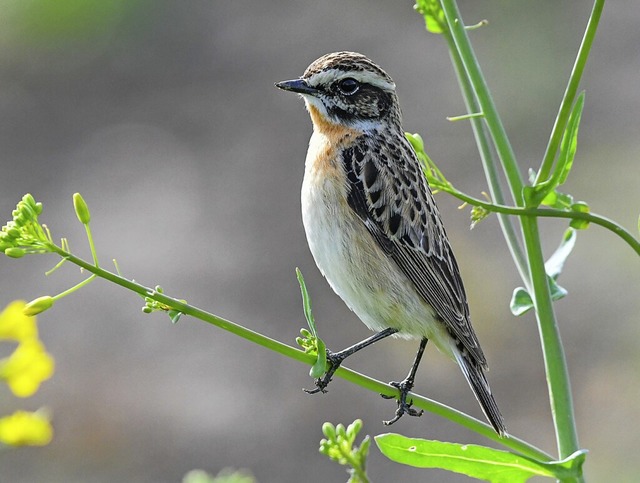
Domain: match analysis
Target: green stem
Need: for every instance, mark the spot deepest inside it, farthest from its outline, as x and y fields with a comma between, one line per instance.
x=69, y=291
x=553, y=352
x=488, y=163
x=92, y=246
x=359, y=471
x=366, y=382
x=555, y=363
x=471, y=67
x=549, y=213
x=570, y=93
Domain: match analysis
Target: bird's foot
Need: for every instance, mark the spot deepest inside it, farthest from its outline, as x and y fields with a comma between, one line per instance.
x=404, y=406
x=321, y=383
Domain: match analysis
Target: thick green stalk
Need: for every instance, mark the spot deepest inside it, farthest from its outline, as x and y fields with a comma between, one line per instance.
x=555, y=363
x=488, y=162
x=553, y=352
x=484, y=99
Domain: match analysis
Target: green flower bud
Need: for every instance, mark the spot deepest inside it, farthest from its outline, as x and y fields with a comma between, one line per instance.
x=416, y=141
x=38, y=305
x=329, y=431
x=15, y=252
x=29, y=200
x=13, y=232
x=82, y=210
x=355, y=427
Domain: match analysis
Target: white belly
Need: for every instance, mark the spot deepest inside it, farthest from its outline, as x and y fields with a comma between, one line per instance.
x=366, y=279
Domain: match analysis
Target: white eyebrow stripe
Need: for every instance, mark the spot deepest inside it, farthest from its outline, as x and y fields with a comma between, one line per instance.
x=329, y=76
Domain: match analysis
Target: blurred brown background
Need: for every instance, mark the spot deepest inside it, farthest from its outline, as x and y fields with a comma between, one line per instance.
x=164, y=116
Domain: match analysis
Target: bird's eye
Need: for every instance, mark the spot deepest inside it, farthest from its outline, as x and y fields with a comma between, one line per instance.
x=348, y=86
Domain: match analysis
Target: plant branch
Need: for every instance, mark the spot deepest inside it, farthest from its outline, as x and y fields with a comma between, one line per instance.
x=555, y=362
x=556, y=369
x=600, y=220
x=485, y=102
x=489, y=164
x=366, y=382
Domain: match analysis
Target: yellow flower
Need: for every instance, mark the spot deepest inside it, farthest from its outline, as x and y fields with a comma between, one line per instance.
x=23, y=428
x=26, y=368
x=14, y=325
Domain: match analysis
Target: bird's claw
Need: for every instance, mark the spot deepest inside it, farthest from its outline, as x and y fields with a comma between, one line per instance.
x=404, y=407
x=321, y=386
x=322, y=382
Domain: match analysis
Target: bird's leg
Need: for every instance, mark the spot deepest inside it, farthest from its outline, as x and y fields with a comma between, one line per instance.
x=336, y=358
x=405, y=386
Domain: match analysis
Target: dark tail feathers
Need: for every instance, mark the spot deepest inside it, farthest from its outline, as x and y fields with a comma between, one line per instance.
x=480, y=387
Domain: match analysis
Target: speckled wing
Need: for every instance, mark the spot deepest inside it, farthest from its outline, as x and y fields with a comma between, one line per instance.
x=389, y=192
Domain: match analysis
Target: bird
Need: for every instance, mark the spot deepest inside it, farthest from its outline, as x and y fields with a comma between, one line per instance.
x=373, y=226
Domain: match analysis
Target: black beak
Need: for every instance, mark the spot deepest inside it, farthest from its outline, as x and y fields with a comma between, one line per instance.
x=297, y=85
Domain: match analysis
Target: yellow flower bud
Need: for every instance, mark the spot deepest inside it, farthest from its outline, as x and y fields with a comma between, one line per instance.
x=38, y=305
x=82, y=210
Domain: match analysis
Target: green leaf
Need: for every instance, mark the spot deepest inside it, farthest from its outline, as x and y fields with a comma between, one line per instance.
x=545, y=191
x=580, y=207
x=475, y=461
x=557, y=292
x=554, y=265
x=569, y=143
x=320, y=366
x=306, y=303
x=433, y=15
x=521, y=301
x=558, y=200
x=174, y=315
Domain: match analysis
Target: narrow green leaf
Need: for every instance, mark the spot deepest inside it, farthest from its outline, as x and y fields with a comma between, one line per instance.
x=306, y=303
x=550, y=199
x=521, y=301
x=320, y=366
x=554, y=265
x=569, y=143
x=475, y=461
x=556, y=199
x=543, y=192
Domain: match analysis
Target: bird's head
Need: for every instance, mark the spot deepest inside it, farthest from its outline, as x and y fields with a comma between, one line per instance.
x=348, y=89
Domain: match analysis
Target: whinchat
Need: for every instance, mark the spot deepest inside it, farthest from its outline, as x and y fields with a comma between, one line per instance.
x=373, y=226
